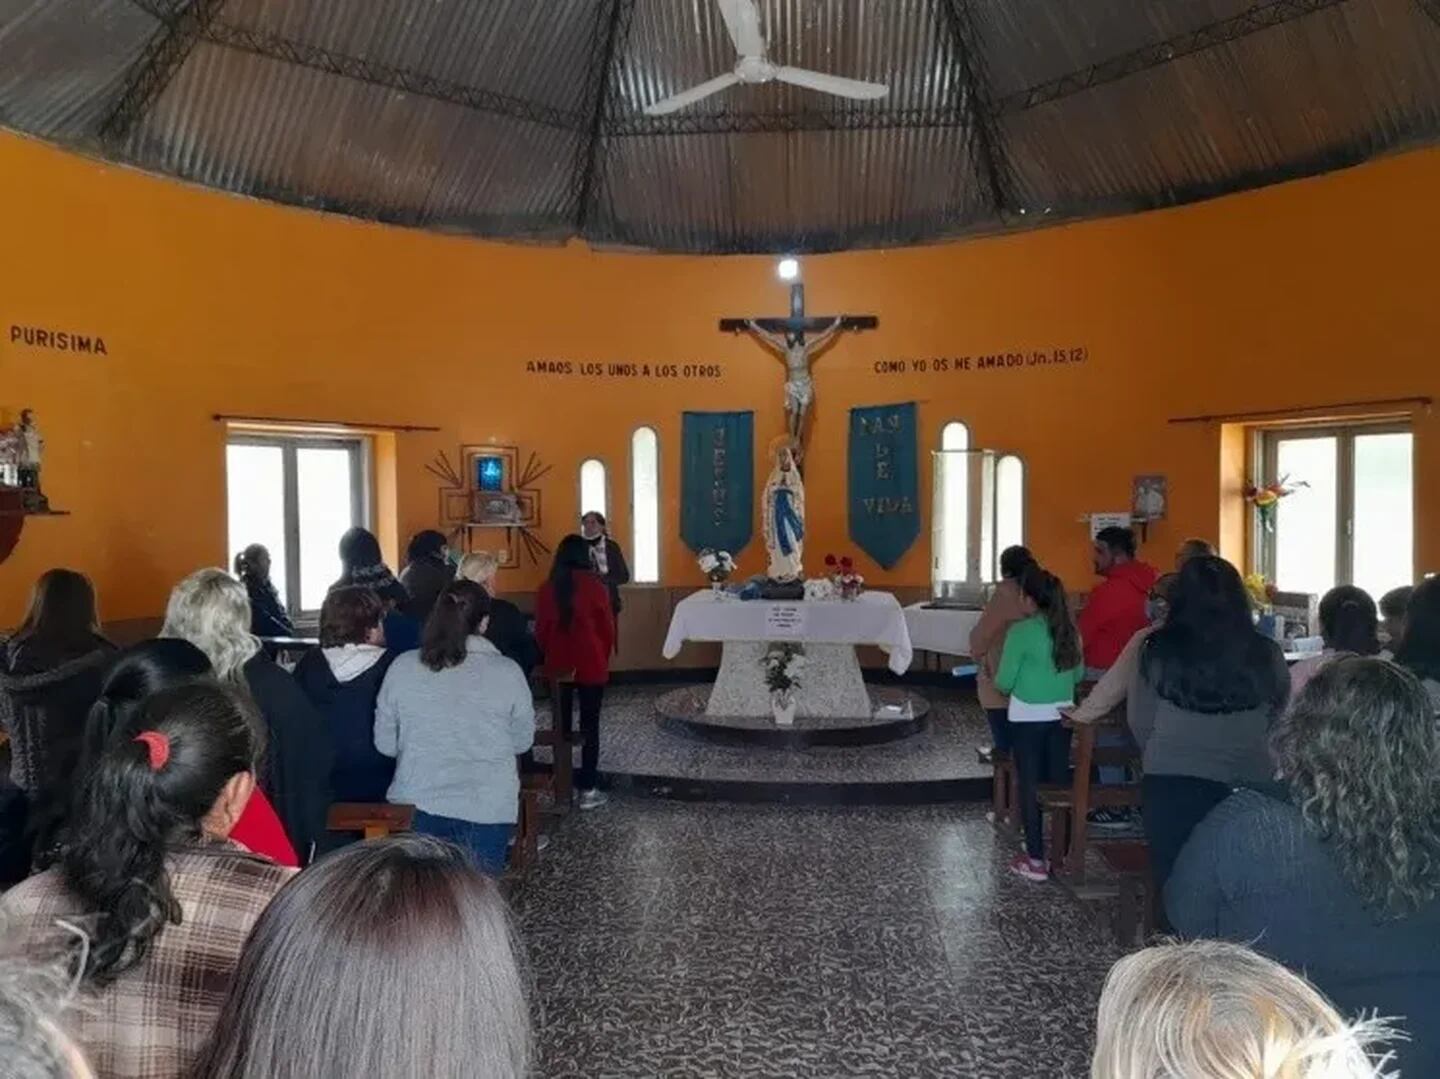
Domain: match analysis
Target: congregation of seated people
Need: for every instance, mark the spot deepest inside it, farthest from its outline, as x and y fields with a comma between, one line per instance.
x=177, y=906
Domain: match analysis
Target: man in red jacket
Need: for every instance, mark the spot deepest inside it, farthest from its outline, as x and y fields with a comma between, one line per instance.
x=1115, y=611
x=1113, y=614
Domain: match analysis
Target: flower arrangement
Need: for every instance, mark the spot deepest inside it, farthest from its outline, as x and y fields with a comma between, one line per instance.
x=820, y=590
x=1261, y=592
x=783, y=662
x=1266, y=496
x=842, y=571
x=717, y=566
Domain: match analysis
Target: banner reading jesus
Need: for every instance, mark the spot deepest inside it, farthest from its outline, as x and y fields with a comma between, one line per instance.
x=884, y=481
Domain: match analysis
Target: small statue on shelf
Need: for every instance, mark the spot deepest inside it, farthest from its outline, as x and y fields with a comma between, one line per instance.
x=21, y=447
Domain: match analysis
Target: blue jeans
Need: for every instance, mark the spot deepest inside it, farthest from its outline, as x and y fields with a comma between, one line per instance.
x=487, y=843
x=1041, y=752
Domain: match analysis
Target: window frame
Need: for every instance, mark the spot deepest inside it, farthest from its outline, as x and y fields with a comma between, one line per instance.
x=659, y=510
x=361, y=469
x=1266, y=450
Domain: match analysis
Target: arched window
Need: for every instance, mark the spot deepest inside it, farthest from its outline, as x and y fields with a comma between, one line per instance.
x=951, y=538
x=592, y=488
x=645, y=505
x=1009, y=502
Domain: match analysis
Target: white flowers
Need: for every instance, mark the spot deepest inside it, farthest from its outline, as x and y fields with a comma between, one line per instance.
x=784, y=664
x=716, y=565
x=820, y=589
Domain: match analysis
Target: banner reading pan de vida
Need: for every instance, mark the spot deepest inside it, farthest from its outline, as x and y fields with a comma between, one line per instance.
x=717, y=480
x=884, y=481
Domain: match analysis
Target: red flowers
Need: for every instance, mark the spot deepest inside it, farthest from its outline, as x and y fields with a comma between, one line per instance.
x=845, y=564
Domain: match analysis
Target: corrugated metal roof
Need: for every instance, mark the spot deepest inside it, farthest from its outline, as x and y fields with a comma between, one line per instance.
x=525, y=118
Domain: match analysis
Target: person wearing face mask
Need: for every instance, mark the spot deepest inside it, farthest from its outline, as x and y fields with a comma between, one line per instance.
x=605, y=556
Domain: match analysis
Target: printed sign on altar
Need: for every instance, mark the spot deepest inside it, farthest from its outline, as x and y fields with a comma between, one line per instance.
x=785, y=620
x=884, y=481
x=717, y=480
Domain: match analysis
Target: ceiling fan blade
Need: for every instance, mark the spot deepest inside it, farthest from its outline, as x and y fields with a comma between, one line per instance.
x=742, y=19
x=692, y=95
x=832, y=84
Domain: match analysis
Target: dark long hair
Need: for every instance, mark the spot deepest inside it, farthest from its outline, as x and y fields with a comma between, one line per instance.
x=359, y=548
x=1208, y=656
x=1014, y=561
x=459, y=610
x=1348, y=621
x=573, y=555
x=1420, y=646
x=387, y=958
x=62, y=617
x=1047, y=592
x=132, y=814
x=1359, y=751
x=426, y=544
x=138, y=672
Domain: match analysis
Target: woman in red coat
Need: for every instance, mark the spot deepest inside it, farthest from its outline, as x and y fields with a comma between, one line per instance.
x=575, y=626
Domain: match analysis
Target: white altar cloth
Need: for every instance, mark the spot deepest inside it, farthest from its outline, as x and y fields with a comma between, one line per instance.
x=945, y=630
x=873, y=618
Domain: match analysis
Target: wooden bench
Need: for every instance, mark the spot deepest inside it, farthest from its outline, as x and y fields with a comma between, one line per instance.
x=1126, y=857
x=1002, y=790
x=371, y=819
x=527, y=829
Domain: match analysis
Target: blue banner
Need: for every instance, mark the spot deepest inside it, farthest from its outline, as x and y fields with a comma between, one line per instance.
x=717, y=480
x=884, y=481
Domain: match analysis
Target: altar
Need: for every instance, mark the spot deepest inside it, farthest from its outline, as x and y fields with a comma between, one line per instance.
x=833, y=685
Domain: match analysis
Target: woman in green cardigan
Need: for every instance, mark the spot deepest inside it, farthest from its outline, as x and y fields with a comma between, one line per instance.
x=1039, y=670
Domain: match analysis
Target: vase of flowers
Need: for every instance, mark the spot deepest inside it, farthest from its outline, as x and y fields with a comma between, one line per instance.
x=1262, y=601
x=1266, y=497
x=848, y=583
x=717, y=567
x=782, y=664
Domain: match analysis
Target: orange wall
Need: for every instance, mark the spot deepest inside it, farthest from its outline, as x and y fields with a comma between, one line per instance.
x=1310, y=293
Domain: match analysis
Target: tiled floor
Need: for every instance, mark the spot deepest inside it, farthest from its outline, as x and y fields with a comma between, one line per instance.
x=632, y=742
x=720, y=941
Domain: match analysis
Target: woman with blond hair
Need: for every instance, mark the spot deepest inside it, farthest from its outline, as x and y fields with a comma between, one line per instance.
x=508, y=630
x=1213, y=1010
x=211, y=610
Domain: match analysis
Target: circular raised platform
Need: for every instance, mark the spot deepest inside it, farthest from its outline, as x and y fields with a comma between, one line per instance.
x=895, y=713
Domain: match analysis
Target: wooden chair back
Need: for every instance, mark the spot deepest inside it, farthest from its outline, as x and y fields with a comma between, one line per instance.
x=372, y=819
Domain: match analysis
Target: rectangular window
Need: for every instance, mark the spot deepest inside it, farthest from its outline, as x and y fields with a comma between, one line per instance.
x=1353, y=520
x=297, y=496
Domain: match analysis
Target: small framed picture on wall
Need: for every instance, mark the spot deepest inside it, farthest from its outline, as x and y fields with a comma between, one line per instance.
x=1150, y=498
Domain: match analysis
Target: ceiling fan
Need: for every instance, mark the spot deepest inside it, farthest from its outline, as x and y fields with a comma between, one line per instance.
x=742, y=18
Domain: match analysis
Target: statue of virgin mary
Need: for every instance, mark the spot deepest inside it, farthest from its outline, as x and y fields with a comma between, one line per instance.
x=784, y=518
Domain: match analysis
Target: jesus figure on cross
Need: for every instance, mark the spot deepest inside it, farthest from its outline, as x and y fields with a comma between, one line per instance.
x=797, y=351
x=798, y=340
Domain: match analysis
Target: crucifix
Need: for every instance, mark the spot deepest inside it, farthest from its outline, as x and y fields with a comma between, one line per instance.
x=796, y=340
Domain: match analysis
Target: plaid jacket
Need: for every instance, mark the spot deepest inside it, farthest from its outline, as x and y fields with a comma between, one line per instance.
x=152, y=1020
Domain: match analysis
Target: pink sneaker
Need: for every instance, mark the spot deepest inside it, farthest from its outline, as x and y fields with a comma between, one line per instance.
x=1022, y=865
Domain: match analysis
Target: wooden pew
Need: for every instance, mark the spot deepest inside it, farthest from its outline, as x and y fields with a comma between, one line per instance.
x=1126, y=857
x=371, y=819
x=1068, y=806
